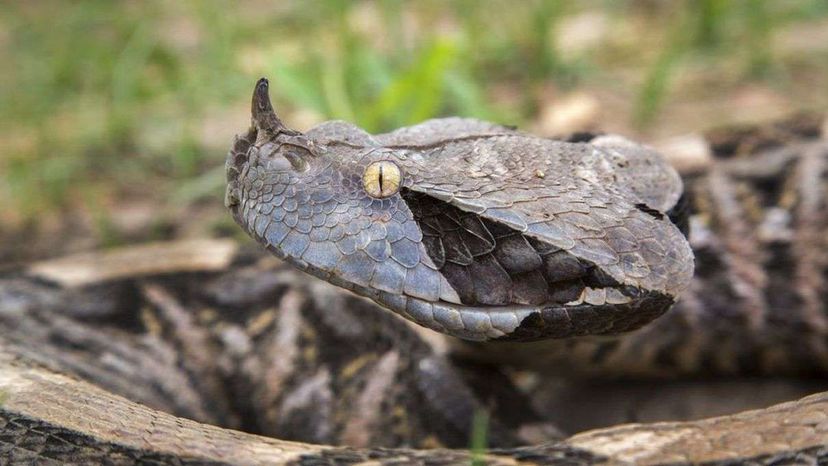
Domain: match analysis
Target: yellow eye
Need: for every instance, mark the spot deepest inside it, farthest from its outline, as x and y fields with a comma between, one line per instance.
x=382, y=179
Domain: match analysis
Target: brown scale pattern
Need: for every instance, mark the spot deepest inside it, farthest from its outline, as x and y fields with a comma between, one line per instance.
x=488, y=263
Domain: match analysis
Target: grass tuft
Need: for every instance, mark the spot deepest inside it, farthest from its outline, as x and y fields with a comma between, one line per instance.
x=479, y=437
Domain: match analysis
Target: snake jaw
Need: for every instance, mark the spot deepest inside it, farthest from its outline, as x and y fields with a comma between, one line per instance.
x=527, y=323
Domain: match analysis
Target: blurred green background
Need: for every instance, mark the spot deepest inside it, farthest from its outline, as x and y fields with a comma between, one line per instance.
x=115, y=116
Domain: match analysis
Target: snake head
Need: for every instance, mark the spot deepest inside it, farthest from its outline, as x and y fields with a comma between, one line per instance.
x=466, y=227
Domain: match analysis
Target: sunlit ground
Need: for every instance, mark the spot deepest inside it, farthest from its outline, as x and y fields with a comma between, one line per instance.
x=115, y=116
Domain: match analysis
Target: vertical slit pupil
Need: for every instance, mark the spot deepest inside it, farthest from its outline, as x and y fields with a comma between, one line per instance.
x=379, y=180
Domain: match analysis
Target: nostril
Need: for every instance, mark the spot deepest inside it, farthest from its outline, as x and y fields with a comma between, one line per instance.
x=296, y=161
x=231, y=196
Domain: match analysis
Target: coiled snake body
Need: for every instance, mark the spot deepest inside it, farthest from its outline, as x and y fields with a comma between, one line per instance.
x=480, y=232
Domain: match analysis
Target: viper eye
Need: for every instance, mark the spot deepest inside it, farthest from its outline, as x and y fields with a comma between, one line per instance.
x=382, y=179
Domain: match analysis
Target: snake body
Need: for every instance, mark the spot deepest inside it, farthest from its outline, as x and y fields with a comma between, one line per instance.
x=610, y=257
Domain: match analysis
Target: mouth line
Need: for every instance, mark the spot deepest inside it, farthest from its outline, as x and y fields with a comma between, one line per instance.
x=526, y=322
x=590, y=296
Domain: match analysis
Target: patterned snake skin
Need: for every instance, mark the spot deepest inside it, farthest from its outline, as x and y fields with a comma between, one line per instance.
x=479, y=231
